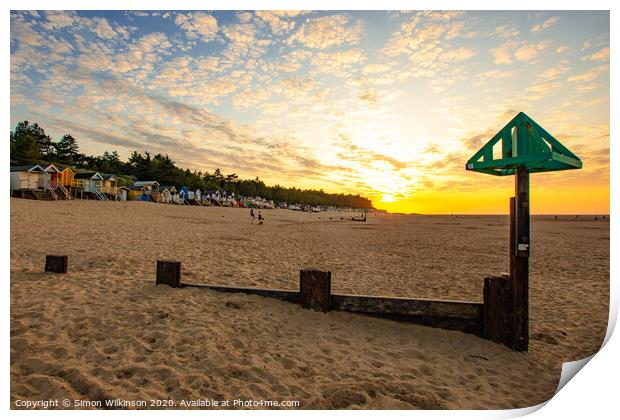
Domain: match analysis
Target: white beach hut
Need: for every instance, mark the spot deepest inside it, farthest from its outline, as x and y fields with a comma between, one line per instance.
x=28, y=177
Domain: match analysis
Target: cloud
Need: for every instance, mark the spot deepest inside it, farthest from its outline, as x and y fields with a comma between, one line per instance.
x=507, y=31
x=590, y=75
x=103, y=29
x=367, y=157
x=424, y=39
x=552, y=73
x=250, y=98
x=244, y=42
x=459, y=54
x=442, y=16
x=58, y=19
x=327, y=31
x=454, y=30
x=526, y=52
x=477, y=141
x=143, y=53
x=504, y=53
x=242, y=34
x=415, y=34
x=495, y=74
x=546, y=24
x=519, y=50
x=198, y=25
x=369, y=97
x=296, y=87
x=278, y=26
x=23, y=33
x=600, y=55
x=338, y=62
x=541, y=89
x=375, y=68
x=572, y=103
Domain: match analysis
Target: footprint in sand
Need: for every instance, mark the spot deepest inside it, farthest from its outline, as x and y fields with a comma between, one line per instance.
x=345, y=398
x=545, y=338
x=126, y=372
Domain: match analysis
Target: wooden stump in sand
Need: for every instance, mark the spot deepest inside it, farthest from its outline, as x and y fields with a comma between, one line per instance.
x=315, y=289
x=56, y=263
x=168, y=272
x=496, y=310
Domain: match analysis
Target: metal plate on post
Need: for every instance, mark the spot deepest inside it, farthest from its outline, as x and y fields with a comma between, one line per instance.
x=522, y=212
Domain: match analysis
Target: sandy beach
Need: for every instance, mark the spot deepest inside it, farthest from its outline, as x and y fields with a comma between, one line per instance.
x=105, y=331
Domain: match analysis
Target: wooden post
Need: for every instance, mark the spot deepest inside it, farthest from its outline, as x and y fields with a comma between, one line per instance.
x=315, y=289
x=512, y=249
x=56, y=263
x=168, y=272
x=519, y=270
x=496, y=313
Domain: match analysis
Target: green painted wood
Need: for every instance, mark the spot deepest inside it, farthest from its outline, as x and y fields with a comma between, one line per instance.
x=524, y=144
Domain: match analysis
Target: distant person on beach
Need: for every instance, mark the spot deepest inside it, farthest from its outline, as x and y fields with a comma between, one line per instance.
x=260, y=218
x=252, y=216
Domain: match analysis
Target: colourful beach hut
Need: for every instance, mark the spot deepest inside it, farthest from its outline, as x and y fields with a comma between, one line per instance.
x=138, y=193
x=53, y=183
x=123, y=193
x=53, y=174
x=89, y=183
x=27, y=177
x=149, y=185
x=66, y=176
x=186, y=194
x=167, y=192
x=110, y=186
x=88, y=180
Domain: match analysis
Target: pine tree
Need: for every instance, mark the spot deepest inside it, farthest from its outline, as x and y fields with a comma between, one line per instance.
x=25, y=149
x=67, y=149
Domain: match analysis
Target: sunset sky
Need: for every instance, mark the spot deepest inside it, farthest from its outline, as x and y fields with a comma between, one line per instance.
x=386, y=104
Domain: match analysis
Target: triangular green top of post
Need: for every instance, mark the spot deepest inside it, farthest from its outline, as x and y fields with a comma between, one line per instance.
x=526, y=144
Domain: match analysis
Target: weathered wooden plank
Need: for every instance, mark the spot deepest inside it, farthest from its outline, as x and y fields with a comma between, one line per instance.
x=315, y=289
x=168, y=272
x=56, y=263
x=453, y=315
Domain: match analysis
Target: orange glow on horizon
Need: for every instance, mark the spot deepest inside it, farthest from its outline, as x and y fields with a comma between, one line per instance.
x=594, y=200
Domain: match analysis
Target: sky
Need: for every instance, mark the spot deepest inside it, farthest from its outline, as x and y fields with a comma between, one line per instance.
x=387, y=104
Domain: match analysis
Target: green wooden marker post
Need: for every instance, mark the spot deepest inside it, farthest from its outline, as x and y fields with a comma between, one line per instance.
x=520, y=148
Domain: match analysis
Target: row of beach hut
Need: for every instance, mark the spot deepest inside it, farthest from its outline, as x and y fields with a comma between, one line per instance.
x=55, y=182
x=170, y=194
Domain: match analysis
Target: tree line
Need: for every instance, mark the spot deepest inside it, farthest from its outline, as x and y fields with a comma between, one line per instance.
x=31, y=145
